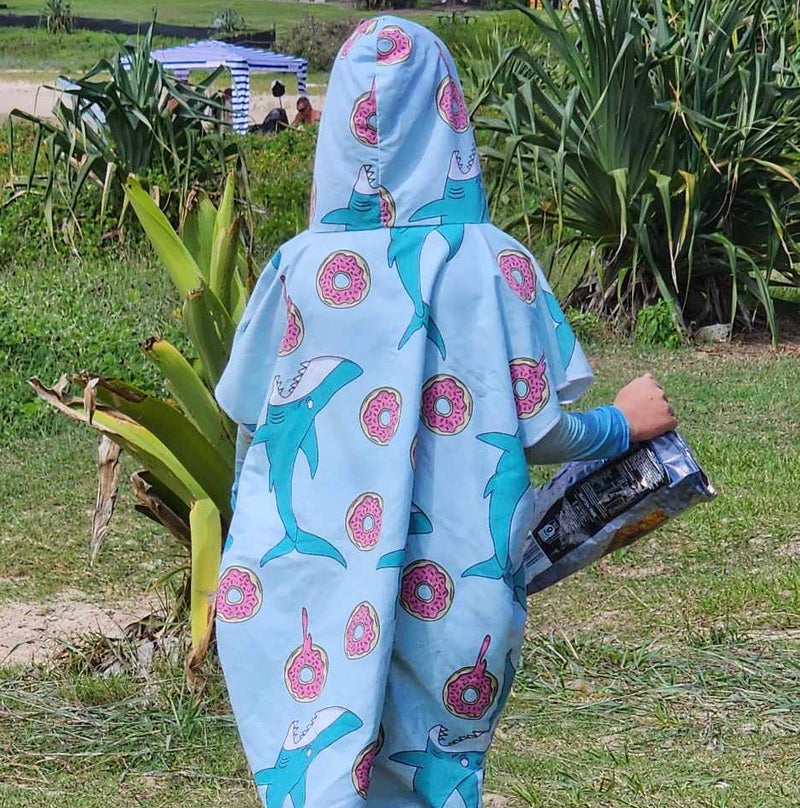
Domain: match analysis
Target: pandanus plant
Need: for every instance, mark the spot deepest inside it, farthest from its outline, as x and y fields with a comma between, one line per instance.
x=185, y=443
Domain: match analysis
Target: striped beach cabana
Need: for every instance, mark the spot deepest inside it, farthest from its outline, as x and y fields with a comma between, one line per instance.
x=240, y=61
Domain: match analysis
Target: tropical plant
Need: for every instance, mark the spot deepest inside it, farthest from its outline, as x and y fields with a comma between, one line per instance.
x=127, y=116
x=185, y=443
x=57, y=16
x=664, y=137
x=228, y=21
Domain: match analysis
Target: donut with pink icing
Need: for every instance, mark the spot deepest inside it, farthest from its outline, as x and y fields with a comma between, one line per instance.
x=519, y=273
x=362, y=29
x=343, y=280
x=446, y=405
x=363, y=122
x=380, y=414
x=426, y=590
x=239, y=595
x=364, y=520
x=470, y=692
x=451, y=105
x=362, y=769
x=306, y=669
x=530, y=385
x=362, y=632
x=294, y=332
x=387, y=208
x=394, y=45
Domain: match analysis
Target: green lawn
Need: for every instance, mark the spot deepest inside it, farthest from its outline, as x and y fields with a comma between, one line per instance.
x=664, y=677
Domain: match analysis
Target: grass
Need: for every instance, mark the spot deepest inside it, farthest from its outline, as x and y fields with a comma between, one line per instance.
x=666, y=676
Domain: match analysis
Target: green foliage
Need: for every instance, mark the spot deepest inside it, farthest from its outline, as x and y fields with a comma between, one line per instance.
x=126, y=116
x=655, y=325
x=57, y=16
x=664, y=137
x=228, y=21
x=315, y=39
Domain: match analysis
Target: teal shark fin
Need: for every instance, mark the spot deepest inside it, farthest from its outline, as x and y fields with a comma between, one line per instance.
x=469, y=792
x=391, y=560
x=310, y=448
x=298, y=793
x=453, y=234
x=485, y=569
x=338, y=216
x=432, y=330
x=309, y=544
x=284, y=546
x=419, y=524
x=432, y=209
x=500, y=440
x=265, y=777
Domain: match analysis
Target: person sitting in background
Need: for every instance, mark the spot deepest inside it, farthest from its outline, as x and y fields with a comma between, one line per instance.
x=305, y=112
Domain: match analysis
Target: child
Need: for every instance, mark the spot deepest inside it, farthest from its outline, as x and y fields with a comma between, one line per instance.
x=395, y=363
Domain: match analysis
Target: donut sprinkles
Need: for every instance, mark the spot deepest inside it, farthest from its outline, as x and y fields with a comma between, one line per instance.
x=239, y=595
x=530, y=386
x=451, y=105
x=388, y=210
x=394, y=45
x=426, y=590
x=470, y=692
x=361, y=772
x=306, y=669
x=519, y=273
x=362, y=29
x=380, y=414
x=364, y=520
x=446, y=405
x=363, y=121
x=294, y=332
x=362, y=632
x=343, y=280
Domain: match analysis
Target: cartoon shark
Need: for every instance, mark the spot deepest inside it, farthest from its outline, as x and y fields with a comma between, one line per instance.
x=287, y=778
x=363, y=211
x=505, y=489
x=463, y=200
x=418, y=525
x=564, y=334
x=446, y=767
x=289, y=430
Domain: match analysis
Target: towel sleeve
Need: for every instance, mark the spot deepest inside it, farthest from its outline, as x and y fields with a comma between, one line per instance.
x=246, y=380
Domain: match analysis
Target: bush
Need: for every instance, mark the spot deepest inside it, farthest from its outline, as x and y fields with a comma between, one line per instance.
x=655, y=325
x=316, y=40
x=663, y=139
x=57, y=16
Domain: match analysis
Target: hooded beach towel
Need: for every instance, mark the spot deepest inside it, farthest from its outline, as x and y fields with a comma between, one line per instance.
x=394, y=361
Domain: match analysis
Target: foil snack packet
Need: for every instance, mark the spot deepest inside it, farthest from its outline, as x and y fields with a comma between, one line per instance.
x=591, y=508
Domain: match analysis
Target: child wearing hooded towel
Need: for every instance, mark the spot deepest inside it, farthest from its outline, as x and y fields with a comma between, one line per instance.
x=398, y=365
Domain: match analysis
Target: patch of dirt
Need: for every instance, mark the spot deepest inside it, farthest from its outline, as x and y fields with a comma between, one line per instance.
x=789, y=550
x=633, y=571
x=36, y=632
x=496, y=801
x=34, y=98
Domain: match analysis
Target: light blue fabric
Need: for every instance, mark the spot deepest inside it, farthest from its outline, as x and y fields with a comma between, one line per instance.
x=598, y=434
x=395, y=359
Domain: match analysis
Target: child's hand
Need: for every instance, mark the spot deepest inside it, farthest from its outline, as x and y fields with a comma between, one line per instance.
x=646, y=408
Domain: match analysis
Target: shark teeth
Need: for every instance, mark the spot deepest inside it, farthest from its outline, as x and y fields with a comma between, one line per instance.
x=309, y=376
x=440, y=736
x=284, y=392
x=464, y=168
x=322, y=720
x=367, y=181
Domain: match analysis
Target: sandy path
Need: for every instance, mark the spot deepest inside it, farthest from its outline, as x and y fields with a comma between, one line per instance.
x=30, y=96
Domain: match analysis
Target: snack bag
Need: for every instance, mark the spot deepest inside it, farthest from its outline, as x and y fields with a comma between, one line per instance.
x=591, y=508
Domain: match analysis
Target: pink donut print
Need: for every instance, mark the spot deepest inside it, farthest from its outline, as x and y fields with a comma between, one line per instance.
x=238, y=595
x=294, y=332
x=451, y=105
x=361, y=773
x=518, y=271
x=362, y=632
x=469, y=692
x=394, y=45
x=343, y=280
x=388, y=211
x=362, y=119
x=426, y=590
x=363, y=28
x=530, y=386
x=446, y=405
x=380, y=414
x=306, y=668
x=364, y=520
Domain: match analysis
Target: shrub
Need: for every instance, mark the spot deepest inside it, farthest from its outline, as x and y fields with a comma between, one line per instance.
x=663, y=138
x=655, y=325
x=316, y=40
x=57, y=16
x=228, y=21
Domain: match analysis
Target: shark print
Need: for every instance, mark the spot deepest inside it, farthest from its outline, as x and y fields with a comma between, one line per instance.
x=564, y=333
x=446, y=767
x=504, y=490
x=287, y=778
x=418, y=525
x=370, y=204
x=290, y=429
